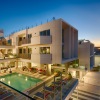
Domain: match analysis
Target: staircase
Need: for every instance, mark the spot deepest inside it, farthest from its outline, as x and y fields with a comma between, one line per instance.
x=84, y=95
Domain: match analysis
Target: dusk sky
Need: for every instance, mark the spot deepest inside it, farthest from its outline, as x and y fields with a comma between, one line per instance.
x=82, y=14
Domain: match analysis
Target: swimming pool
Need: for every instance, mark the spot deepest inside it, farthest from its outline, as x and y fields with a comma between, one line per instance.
x=19, y=81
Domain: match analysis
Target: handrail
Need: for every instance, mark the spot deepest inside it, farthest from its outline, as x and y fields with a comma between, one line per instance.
x=18, y=91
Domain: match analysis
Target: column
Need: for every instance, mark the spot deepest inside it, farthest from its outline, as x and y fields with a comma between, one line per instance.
x=49, y=69
x=66, y=68
x=16, y=64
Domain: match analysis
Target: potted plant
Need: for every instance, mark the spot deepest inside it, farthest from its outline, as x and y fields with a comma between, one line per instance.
x=57, y=73
x=69, y=76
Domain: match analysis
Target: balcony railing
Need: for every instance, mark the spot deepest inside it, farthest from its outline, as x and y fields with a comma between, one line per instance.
x=8, y=56
x=25, y=56
x=24, y=41
x=5, y=43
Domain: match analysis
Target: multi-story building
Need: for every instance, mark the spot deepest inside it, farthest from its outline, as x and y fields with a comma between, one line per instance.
x=1, y=33
x=49, y=46
x=86, y=54
x=97, y=56
x=85, y=60
x=45, y=49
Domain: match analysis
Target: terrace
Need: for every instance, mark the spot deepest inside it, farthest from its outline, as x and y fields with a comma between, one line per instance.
x=64, y=86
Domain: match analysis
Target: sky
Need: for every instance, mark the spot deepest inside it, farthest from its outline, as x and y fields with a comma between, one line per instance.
x=84, y=15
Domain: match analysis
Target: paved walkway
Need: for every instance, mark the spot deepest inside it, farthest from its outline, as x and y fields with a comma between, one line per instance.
x=89, y=88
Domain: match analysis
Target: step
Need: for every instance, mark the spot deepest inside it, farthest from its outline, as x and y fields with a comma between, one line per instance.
x=79, y=98
x=86, y=95
x=89, y=94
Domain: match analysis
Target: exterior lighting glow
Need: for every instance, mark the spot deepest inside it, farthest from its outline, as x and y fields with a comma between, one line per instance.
x=26, y=78
x=9, y=82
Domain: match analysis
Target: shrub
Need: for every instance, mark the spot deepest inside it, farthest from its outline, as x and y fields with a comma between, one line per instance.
x=57, y=73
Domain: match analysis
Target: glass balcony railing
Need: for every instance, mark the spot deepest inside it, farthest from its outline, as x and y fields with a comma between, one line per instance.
x=78, y=67
x=10, y=93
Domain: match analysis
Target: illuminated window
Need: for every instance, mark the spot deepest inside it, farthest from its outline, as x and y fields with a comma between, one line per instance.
x=45, y=50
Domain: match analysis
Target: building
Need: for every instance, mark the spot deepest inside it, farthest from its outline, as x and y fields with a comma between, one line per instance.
x=97, y=56
x=1, y=33
x=49, y=46
x=86, y=54
x=45, y=49
x=85, y=60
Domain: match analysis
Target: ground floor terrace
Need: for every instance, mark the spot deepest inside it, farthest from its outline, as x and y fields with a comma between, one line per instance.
x=52, y=85
x=44, y=72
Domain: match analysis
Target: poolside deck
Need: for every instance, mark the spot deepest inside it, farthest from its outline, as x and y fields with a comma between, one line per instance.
x=66, y=90
x=38, y=86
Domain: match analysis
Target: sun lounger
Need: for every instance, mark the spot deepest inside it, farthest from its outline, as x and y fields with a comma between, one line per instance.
x=5, y=95
x=57, y=83
x=3, y=91
x=40, y=95
x=50, y=89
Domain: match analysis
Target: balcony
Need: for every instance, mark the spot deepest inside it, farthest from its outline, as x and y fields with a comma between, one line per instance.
x=42, y=58
x=41, y=40
x=5, y=57
x=6, y=44
x=25, y=56
x=24, y=41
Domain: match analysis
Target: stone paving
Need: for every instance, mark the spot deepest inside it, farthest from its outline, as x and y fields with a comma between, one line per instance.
x=89, y=88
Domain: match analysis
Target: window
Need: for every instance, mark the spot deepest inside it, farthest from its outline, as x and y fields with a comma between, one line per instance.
x=62, y=35
x=29, y=35
x=29, y=50
x=48, y=32
x=45, y=33
x=20, y=38
x=62, y=51
x=9, y=41
x=24, y=50
x=20, y=50
x=45, y=50
x=23, y=37
x=41, y=33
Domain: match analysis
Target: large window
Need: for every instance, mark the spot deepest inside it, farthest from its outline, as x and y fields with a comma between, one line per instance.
x=45, y=50
x=45, y=33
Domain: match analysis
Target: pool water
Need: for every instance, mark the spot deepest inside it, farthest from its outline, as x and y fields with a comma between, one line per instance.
x=19, y=81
